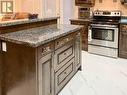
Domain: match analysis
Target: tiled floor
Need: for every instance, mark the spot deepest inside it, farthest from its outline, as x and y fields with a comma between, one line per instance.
x=100, y=76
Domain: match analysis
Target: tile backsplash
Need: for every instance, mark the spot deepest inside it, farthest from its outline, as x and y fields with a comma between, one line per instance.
x=110, y=5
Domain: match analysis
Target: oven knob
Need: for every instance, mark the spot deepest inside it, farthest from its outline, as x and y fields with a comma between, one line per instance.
x=118, y=13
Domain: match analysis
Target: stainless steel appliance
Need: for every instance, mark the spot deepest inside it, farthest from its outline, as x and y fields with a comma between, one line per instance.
x=103, y=33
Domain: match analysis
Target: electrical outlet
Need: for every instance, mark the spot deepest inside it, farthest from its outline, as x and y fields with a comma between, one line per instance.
x=4, y=46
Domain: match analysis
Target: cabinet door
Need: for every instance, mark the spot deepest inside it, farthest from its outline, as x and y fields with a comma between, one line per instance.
x=44, y=75
x=86, y=3
x=63, y=55
x=84, y=37
x=82, y=1
x=123, y=44
x=78, y=51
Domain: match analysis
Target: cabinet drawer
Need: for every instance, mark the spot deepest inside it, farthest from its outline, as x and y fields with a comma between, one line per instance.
x=45, y=49
x=62, y=41
x=63, y=55
x=64, y=75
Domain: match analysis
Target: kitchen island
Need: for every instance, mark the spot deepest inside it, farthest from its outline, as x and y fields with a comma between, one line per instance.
x=40, y=60
x=17, y=25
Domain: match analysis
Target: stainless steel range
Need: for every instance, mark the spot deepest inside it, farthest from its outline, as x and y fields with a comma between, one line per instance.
x=103, y=33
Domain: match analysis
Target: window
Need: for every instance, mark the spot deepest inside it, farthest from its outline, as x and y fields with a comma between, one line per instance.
x=6, y=6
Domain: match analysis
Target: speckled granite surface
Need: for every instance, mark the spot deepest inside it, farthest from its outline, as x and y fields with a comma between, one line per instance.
x=23, y=21
x=35, y=37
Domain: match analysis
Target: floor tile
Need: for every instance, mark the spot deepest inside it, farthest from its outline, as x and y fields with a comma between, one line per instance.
x=100, y=76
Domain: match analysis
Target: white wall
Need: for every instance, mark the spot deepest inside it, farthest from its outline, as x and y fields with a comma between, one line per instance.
x=110, y=5
x=49, y=8
x=66, y=11
x=17, y=5
x=45, y=8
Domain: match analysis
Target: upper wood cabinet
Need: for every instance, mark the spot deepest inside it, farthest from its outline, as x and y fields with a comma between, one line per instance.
x=86, y=3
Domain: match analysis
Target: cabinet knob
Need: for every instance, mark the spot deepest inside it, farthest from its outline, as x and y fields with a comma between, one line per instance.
x=65, y=72
x=57, y=43
x=64, y=53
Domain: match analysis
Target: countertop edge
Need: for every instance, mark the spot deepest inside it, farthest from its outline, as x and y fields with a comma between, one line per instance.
x=4, y=24
x=37, y=44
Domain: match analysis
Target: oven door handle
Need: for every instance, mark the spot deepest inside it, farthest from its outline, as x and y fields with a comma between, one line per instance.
x=103, y=26
x=89, y=35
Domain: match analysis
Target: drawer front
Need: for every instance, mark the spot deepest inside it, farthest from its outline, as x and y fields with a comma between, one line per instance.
x=62, y=41
x=64, y=75
x=45, y=49
x=63, y=55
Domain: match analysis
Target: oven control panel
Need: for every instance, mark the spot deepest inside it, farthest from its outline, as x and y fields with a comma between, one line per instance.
x=107, y=13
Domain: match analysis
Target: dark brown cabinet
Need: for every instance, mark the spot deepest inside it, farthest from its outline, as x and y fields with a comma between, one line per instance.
x=123, y=41
x=86, y=3
x=84, y=33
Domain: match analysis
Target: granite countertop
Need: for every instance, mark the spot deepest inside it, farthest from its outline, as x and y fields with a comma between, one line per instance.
x=77, y=19
x=35, y=37
x=23, y=21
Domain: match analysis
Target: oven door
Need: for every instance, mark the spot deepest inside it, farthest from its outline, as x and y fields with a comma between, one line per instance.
x=104, y=35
